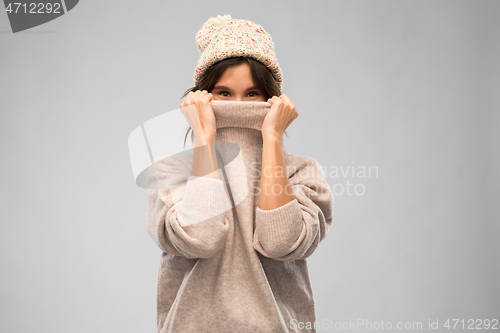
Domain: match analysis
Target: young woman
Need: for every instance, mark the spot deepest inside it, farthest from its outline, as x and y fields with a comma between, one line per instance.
x=237, y=218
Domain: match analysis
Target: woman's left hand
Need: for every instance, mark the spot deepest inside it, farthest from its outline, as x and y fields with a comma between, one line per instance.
x=281, y=114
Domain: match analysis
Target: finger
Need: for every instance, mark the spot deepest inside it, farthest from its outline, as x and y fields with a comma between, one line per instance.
x=275, y=100
x=184, y=100
x=201, y=102
x=195, y=96
x=207, y=98
x=201, y=94
x=189, y=98
x=197, y=92
x=288, y=100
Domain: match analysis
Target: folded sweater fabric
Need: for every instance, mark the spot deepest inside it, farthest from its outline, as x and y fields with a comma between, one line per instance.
x=227, y=265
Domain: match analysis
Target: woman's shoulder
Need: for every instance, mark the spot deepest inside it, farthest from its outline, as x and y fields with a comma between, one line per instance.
x=306, y=166
x=175, y=169
x=165, y=166
x=184, y=160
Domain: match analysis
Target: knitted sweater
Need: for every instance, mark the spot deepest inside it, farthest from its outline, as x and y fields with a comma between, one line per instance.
x=227, y=265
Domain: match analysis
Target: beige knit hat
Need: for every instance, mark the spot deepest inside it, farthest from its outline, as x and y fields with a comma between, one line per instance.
x=223, y=37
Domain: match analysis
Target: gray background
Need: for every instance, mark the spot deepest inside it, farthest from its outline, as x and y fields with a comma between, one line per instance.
x=411, y=87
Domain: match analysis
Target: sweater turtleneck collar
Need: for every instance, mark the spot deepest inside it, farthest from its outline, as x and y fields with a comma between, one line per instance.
x=239, y=122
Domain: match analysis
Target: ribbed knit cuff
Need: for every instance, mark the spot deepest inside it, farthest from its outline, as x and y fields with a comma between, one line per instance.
x=278, y=228
x=203, y=199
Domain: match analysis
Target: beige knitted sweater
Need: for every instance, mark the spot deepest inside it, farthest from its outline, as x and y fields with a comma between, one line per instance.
x=238, y=268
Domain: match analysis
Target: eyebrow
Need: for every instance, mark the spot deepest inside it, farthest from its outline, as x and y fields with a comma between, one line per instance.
x=226, y=88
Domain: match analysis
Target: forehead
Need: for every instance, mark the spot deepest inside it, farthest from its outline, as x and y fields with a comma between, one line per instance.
x=239, y=72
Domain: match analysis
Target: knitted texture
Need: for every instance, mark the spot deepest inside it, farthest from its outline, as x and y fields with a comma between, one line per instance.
x=250, y=116
x=243, y=269
x=223, y=37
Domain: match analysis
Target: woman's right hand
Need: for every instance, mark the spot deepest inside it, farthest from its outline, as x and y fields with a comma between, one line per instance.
x=200, y=114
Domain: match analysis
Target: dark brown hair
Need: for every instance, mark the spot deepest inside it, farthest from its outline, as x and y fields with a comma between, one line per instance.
x=261, y=76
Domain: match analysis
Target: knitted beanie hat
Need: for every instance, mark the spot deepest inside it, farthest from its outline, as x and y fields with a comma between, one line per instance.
x=223, y=37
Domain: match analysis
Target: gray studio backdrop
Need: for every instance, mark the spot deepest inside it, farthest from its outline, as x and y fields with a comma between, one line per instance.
x=398, y=100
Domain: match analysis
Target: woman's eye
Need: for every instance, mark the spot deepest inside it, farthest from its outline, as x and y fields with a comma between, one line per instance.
x=226, y=94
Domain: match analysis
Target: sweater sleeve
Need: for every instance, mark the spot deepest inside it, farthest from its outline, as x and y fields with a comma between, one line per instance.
x=185, y=215
x=294, y=230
